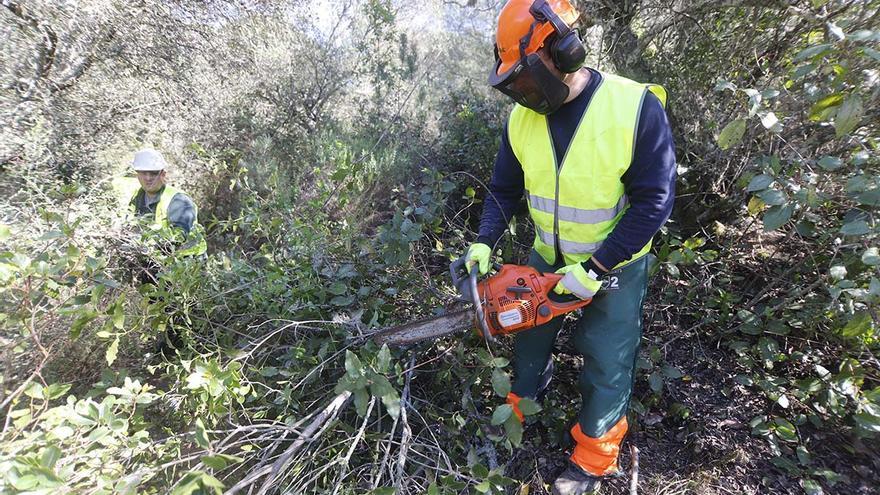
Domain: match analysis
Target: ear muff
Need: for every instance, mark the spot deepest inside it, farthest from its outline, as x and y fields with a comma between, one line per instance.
x=566, y=49
x=568, y=52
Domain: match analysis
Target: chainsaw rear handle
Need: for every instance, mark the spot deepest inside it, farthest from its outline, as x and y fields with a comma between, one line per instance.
x=549, y=280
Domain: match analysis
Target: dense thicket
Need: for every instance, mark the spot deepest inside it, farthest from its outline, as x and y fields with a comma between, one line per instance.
x=338, y=154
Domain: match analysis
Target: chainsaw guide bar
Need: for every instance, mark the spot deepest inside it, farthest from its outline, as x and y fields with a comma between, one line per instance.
x=430, y=328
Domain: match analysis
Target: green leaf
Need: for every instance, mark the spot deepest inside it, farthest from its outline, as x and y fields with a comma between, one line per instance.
x=672, y=372
x=773, y=197
x=50, y=457
x=220, y=461
x=269, y=371
x=500, y=382
x=755, y=206
x=392, y=404
x=514, y=430
x=337, y=288
x=118, y=315
x=759, y=183
x=353, y=365
x=811, y=52
x=655, y=381
x=871, y=257
x=202, y=434
x=811, y=487
x=722, y=85
x=856, y=227
x=872, y=53
x=848, y=115
x=342, y=301
x=385, y=490
x=501, y=413
x=528, y=406
x=4, y=232
x=112, y=351
x=361, y=400
x=803, y=455
x=823, y=109
x=383, y=359
x=861, y=324
x=785, y=430
x=830, y=163
x=479, y=471
x=777, y=216
x=500, y=362
x=732, y=133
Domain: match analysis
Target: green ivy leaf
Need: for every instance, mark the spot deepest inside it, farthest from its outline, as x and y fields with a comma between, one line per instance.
x=856, y=227
x=759, y=183
x=777, y=216
x=732, y=133
x=773, y=197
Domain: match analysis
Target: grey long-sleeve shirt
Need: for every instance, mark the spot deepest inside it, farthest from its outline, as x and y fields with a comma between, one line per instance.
x=181, y=210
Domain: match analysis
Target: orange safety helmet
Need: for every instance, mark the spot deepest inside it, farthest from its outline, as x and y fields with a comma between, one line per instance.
x=518, y=26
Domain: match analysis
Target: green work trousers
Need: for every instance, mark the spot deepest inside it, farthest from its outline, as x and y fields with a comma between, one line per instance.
x=607, y=335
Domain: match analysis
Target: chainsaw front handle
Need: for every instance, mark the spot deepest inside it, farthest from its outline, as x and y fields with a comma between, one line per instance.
x=466, y=283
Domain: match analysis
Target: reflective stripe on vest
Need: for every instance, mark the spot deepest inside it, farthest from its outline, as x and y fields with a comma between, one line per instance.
x=577, y=204
x=577, y=215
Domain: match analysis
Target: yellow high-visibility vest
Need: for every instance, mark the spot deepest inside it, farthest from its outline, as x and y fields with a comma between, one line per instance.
x=195, y=243
x=576, y=205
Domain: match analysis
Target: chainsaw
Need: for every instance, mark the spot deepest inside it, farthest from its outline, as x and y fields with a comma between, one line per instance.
x=513, y=299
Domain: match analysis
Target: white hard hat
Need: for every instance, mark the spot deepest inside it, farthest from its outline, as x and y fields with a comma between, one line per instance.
x=148, y=160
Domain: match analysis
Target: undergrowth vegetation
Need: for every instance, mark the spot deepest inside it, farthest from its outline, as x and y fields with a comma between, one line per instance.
x=335, y=195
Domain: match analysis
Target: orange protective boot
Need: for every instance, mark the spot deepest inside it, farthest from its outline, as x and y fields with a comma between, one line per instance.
x=598, y=456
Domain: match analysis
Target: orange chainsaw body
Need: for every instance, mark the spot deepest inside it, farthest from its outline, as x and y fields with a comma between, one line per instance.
x=516, y=298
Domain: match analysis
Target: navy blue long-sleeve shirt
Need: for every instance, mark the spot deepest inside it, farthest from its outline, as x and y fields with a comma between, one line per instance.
x=649, y=182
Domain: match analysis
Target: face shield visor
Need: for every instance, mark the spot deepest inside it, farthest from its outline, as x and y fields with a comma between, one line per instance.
x=531, y=84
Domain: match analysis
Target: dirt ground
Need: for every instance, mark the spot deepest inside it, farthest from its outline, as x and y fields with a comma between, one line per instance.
x=711, y=451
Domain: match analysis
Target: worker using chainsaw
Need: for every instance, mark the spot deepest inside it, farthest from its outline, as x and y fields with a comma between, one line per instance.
x=593, y=155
